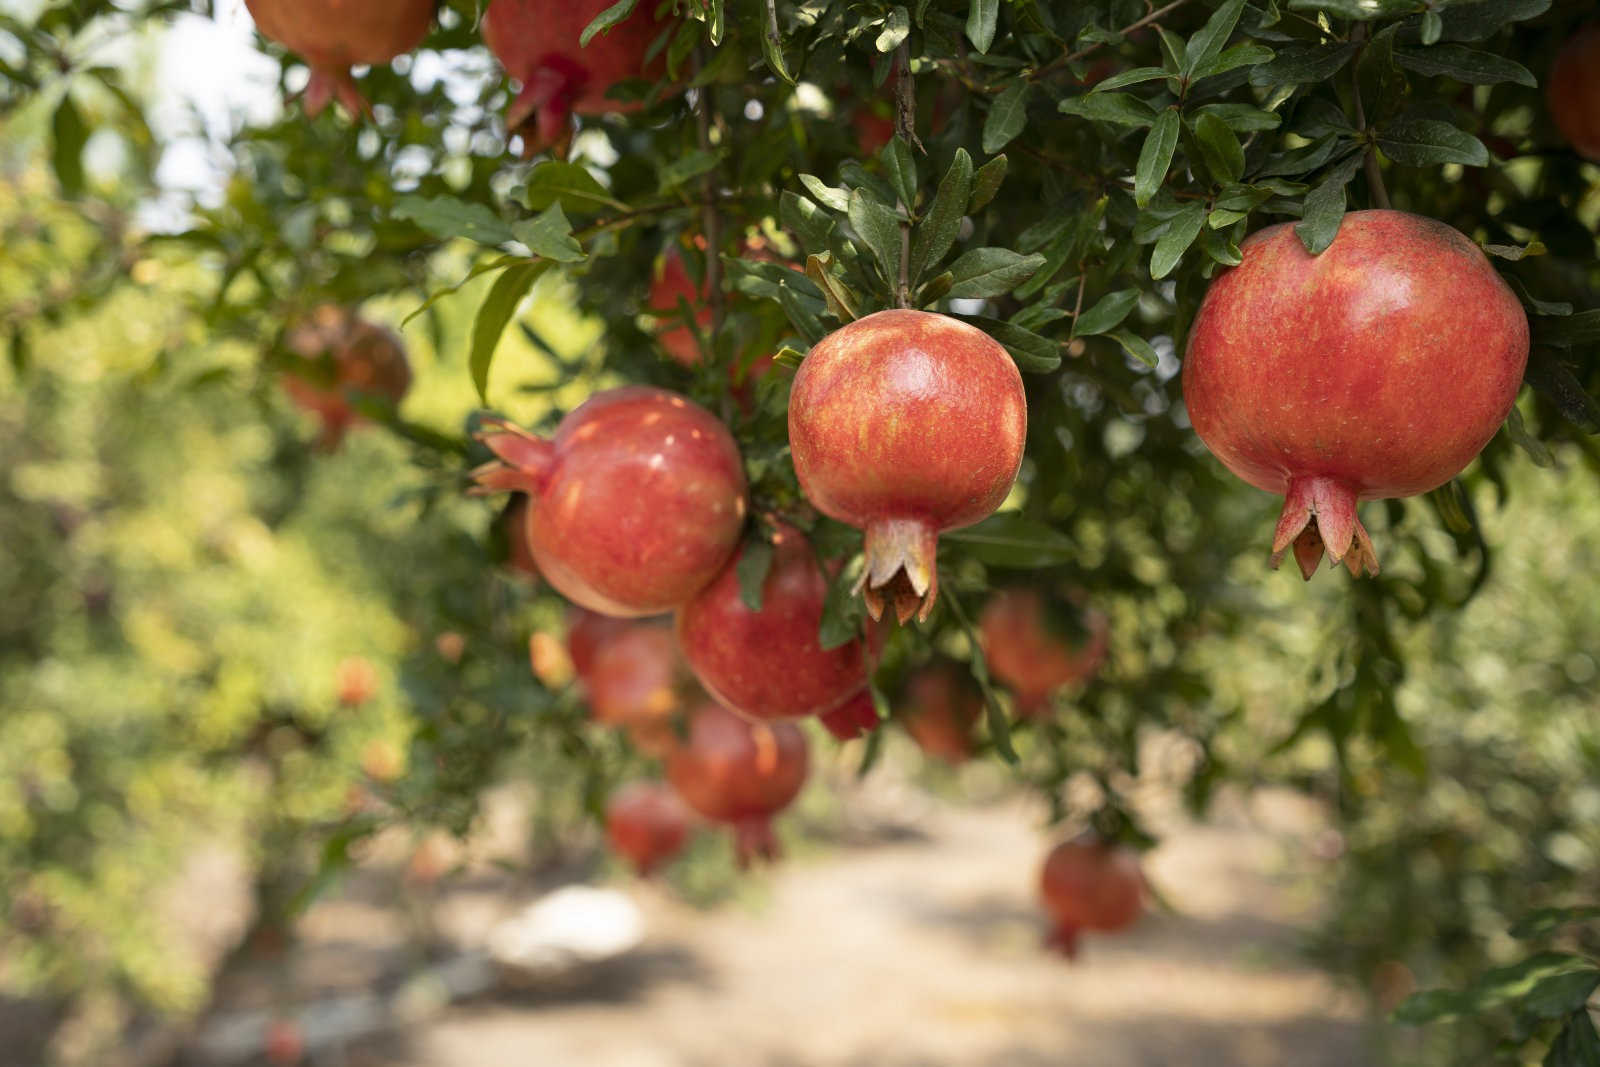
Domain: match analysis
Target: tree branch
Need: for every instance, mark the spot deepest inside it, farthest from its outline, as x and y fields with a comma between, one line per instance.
x=1072, y=57
x=1369, y=162
x=710, y=217
x=905, y=127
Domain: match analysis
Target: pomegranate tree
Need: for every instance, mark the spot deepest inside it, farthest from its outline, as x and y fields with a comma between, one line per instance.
x=1088, y=884
x=647, y=825
x=334, y=35
x=740, y=773
x=1377, y=369
x=635, y=503
x=770, y=664
x=341, y=355
x=537, y=41
x=939, y=709
x=1031, y=649
x=1572, y=91
x=905, y=424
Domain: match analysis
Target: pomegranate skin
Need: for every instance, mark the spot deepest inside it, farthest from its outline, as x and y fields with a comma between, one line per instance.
x=1377, y=369
x=1089, y=885
x=636, y=681
x=1028, y=657
x=740, y=773
x=1572, y=91
x=647, y=825
x=587, y=632
x=364, y=357
x=334, y=35
x=941, y=706
x=634, y=504
x=537, y=42
x=769, y=664
x=906, y=424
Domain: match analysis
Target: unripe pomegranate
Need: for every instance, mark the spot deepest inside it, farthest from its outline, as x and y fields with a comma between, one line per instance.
x=637, y=682
x=741, y=773
x=770, y=664
x=334, y=35
x=342, y=354
x=647, y=825
x=635, y=503
x=1090, y=885
x=1377, y=369
x=537, y=42
x=905, y=424
x=1572, y=91
x=940, y=707
x=1033, y=653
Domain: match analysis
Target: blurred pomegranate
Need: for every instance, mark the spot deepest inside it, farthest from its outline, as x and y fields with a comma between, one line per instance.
x=647, y=825
x=941, y=705
x=636, y=681
x=586, y=632
x=740, y=773
x=340, y=354
x=284, y=1043
x=357, y=681
x=334, y=35
x=1033, y=657
x=1572, y=91
x=1090, y=885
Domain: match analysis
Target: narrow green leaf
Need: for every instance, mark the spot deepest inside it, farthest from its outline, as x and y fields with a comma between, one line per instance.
x=1240, y=55
x=1208, y=41
x=982, y=15
x=1182, y=231
x=1418, y=142
x=1303, y=64
x=826, y=195
x=806, y=220
x=901, y=167
x=1007, y=116
x=1155, y=158
x=1568, y=330
x=1137, y=347
x=842, y=611
x=1536, y=449
x=69, y=133
x=549, y=235
x=1560, y=994
x=772, y=51
x=988, y=272
x=1466, y=65
x=447, y=217
x=1432, y=27
x=1324, y=207
x=841, y=302
x=986, y=182
x=606, y=19
x=687, y=167
x=1106, y=314
x=803, y=318
x=1477, y=21
x=1548, y=920
x=936, y=233
x=1431, y=1005
x=1223, y=155
x=1117, y=108
x=754, y=563
x=896, y=28
x=1243, y=118
x=505, y=296
x=1136, y=76
x=1032, y=353
x=1576, y=1045
x=568, y=184
x=879, y=228
x=999, y=727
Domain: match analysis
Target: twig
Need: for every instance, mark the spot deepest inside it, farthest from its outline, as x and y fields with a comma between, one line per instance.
x=710, y=218
x=905, y=127
x=1072, y=57
x=1369, y=162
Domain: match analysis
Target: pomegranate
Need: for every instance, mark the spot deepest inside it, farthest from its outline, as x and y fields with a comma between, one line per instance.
x=1377, y=369
x=647, y=825
x=357, y=681
x=1033, y=655
x=284, y=1043
x=1572, y=92
x=513, y=524
x=873, y=129
x=669, y=284
x=334, y=35
x=770, y=664
x=906, y=423
x=587, y=631
x=1090, y=885
x=941, y=705
x=537, y=42
x=635, y=503
x=637, y=681
x=741, y=773
x=341, y=353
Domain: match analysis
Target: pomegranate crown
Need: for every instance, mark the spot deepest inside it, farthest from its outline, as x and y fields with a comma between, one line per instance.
x=523, y=463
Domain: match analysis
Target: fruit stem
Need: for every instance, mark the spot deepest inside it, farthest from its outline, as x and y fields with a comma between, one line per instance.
x=901, y=558
x=753, y=839
x=1319, y=516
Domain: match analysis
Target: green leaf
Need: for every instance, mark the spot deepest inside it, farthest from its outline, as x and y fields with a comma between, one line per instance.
x=1466, y=65
x=1418, y=142
x=1136, y=76
x=841, y=301
x=447, y=217
x=1137, y=347
x=1180, y=234
x=1536, y=449
x=986, y=182
x=549, y=235
x=1009, y=539
x=1431, y=1005
x=505, y=296
x=1243, y=118
x=901, y=167
x=1032, y=353
x=1106, y=314
x=687, y=167
x=1208, y=41
x=568, y=184
x=1155, y=158
x=1502, y=985
x=842, y=611
x=807, y=221
x=1303, y=65
x=1576, y=1045
x=1223, y=155
x=826, y=195
x=879, y=228
x=987, y=272
x=1324, y=207
x=1240, y=55
x=1475, y=22
x=1118, y=108
x=803, y=318
x=936, y=234
x=69, y=133
x=1560, y=994
x=896, y=28
x=982, y=15
x=1564, y=332
x=754, y=563
x=1007, y=116
x=1361, y=10
x=772, y=51
x=606, y=19
x=1432, y=27
x=1548, y=920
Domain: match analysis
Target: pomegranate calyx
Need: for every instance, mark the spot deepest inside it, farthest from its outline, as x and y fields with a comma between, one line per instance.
x=855, y=718
x=334, y=83
x=524, y=462
x=545, y=104
x=1319, y=517
x=901, y=567
x=1063, y=938
x=753, y=840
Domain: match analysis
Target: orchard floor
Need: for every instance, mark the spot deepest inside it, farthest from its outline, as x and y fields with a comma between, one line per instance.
x=912, y=938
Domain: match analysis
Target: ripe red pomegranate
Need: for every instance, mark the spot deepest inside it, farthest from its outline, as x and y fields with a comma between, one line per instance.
x=637, y=681
x=906, y=423
x=1033, y=654
x=647, y=825
x=1572, y=91
x=514, y=525
x=1377, y=369
x=635, y=503
x=537, y=42
x=941, y=705
x=770, y=664
x=587, y=631
x=1090, y=885
x=340, y=354
x=741, y=773
x=334, y=35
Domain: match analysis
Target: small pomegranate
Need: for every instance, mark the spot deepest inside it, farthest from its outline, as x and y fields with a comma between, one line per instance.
x=357, y=681
x=537, y=42
x=770, y=664
x=741, y=773
x=905, y=424
x=637, y=682
x=1572, y=92
x=635, y=503
x=340, y=354
x=587, y=631
x=941, y=705
x=513, y=523
x=334, y=35
x=1034, y=655
x=647, y=825
x=1090, y=885
x=1377, y=369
